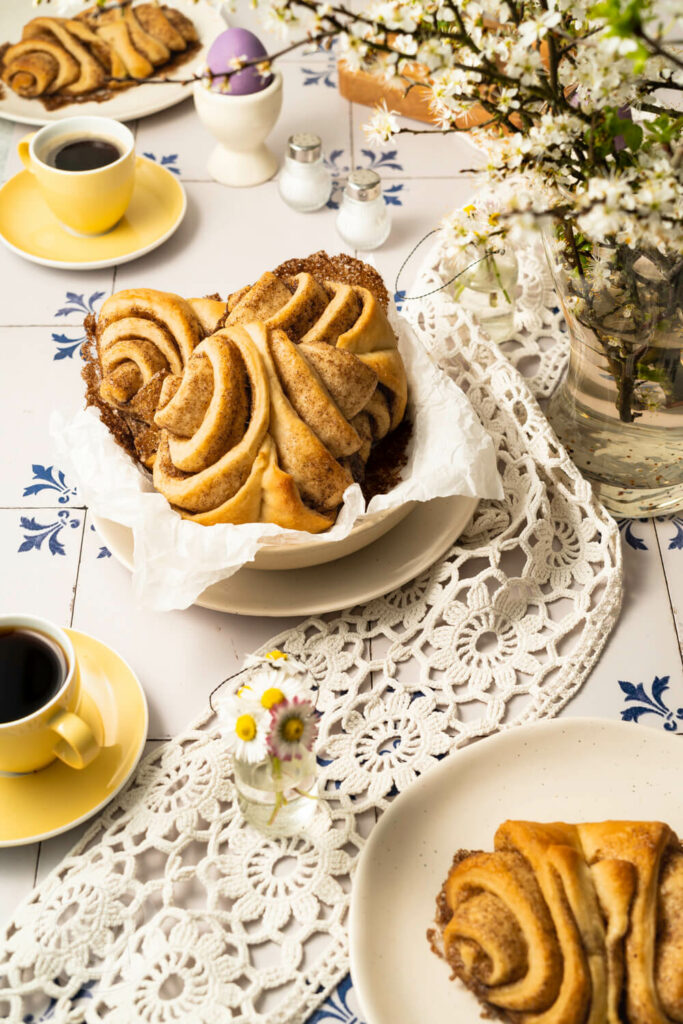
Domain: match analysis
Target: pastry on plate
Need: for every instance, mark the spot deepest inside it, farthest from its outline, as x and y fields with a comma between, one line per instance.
x=99, y=49
x=569, y=924
x=262, y=409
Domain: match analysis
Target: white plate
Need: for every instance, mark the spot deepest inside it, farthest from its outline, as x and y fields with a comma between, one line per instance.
x=400, y=555
x=139, y=100
x=573, y=770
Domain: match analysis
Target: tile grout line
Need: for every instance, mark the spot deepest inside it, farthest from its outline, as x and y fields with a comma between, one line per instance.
x=35, y=870
x=42, y=508
x=78, y=571
x=387, y=177
x=668, y=592
x=352, y=147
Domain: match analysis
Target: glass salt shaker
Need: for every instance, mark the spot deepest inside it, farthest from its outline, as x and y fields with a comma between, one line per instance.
x=305, y=183
x=363, y=220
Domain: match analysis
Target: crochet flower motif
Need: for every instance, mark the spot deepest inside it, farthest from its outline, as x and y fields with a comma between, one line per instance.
x=327, y=654
x=386, y=745
x=484, y=642
x=81, y=919
x=184, y=790
x=179, y=971
x=407, y=604
x=328, y=657
x=567, y=546
x=275, y=881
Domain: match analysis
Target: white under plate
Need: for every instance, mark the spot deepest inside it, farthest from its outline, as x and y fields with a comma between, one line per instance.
x=139, y=100
x=576, y=769
x=397, y=557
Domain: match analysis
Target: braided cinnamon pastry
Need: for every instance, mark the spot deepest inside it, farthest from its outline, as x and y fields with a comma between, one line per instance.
x=77, y=56
x=569, y=924
x=262, y=411
x=142, y=336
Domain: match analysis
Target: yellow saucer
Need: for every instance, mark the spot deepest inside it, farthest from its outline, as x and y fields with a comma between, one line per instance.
x=45, y=803
x=29, y=228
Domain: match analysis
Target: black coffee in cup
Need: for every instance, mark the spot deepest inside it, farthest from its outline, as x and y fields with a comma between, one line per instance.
x=85, y=154
x=33, y=668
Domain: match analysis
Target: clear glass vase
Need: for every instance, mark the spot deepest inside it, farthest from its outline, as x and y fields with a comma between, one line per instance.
x=487, y=290
x=619, y=409
x=278, y=796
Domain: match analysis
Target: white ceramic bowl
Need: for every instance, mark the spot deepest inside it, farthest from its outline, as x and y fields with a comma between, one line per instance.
x=281, y=554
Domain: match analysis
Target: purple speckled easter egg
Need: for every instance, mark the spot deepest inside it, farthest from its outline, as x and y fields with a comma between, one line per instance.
x=241, y=44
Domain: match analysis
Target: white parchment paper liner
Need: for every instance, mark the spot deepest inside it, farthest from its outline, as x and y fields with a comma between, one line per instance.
x=175, y=560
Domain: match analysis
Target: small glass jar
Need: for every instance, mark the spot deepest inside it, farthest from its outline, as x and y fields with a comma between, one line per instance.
x=305, y=183
x=363, y=220
x=487, y=290
x=278, y=795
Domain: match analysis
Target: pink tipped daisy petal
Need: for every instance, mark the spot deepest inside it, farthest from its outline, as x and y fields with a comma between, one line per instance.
x=292, y=729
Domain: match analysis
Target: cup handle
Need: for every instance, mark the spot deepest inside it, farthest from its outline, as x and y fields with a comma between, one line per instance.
x=77, y=745
x=22, y=149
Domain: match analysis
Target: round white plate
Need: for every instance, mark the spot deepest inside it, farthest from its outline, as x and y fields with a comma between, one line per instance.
x=573, y=770
x=139, y=100
x=400, y=555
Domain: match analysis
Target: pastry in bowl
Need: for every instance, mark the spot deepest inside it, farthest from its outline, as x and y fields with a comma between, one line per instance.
x=262, y=409
x=569, y=924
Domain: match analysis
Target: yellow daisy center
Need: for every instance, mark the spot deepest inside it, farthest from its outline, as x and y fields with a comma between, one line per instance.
x=271, y=697
x=293, y=730
x=245, y=727
x=276, y=655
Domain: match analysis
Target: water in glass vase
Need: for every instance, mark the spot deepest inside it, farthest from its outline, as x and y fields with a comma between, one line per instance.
x=278, y=796
x=634, y=465
x=487, y=290
x=619, y=410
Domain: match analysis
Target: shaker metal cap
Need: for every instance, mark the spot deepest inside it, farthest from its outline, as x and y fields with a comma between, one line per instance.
x=363, y=186
x=304, y=147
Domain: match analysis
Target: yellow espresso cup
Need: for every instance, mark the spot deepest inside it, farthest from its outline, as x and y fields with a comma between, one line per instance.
x=87, y=202
x=55, y=729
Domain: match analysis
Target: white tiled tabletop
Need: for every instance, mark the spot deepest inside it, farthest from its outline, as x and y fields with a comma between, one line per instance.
x=54, y=564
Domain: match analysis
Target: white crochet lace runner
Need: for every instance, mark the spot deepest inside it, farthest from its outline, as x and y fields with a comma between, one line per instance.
x=172, y=910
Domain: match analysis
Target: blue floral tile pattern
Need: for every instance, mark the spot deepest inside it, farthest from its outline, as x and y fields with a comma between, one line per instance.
x=324, y=75
x=104, y=552
x=339, y=168
x=75, y=303
x=47, y=478
x=633, y=541
x=675, y=542
x=385, y=161
x=67, y=347
x=339, y=1008
x=36, y=533
x=653, y=703
x=168, y=161
x=391, y=196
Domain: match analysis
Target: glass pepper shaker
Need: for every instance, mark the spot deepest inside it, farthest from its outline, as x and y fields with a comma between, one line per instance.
x=305, y=183
x=363, y=220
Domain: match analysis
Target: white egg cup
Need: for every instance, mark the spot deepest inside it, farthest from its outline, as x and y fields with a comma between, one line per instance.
x=241, y=124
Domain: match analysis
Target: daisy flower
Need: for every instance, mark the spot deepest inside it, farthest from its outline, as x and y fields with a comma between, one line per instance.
x=245, y=729
x=270, y=687
x=292, y=729
x=277, y=677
